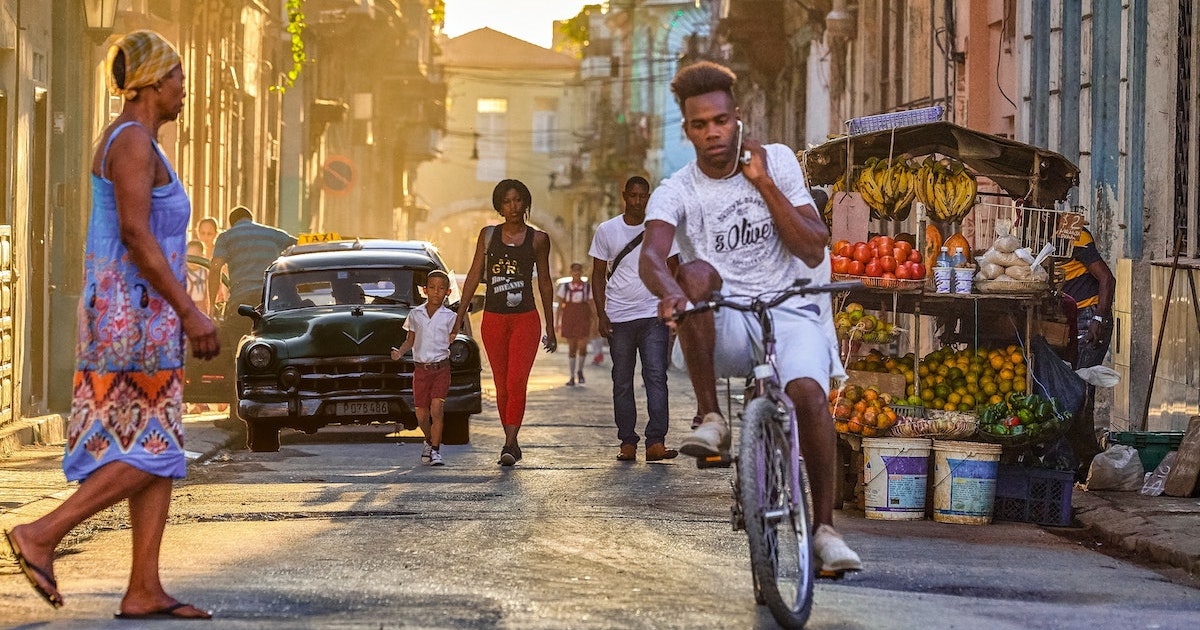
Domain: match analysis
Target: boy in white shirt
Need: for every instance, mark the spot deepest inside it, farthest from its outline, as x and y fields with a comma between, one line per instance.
x=430, y=327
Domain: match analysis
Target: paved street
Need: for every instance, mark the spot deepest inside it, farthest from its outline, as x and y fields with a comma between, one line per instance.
x=345, y=529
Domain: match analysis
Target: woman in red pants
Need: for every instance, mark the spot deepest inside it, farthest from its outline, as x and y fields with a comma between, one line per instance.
x=505, y=257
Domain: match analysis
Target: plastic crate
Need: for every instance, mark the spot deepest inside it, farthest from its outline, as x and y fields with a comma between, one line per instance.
x=1033, y=495
x=894, y=120
x=1151, y=446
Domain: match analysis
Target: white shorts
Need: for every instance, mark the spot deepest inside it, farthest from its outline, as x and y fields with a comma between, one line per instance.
x=801, y=344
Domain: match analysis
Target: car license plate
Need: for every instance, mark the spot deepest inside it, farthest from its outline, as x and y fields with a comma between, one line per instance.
x=363, y=408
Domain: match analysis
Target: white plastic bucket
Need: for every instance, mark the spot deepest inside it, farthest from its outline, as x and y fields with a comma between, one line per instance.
x=895, y=472
x=964, y=481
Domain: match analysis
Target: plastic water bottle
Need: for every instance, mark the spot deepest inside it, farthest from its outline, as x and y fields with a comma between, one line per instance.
x=943, y=273
x=959, y=259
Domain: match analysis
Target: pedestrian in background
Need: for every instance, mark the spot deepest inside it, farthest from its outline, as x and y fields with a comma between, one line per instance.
x=206, y=231
x=628, y=317
x=248, y=248
x=574, y=317
x=197, y=276
x=506, y=257
x=430, y=333
x=125, y=432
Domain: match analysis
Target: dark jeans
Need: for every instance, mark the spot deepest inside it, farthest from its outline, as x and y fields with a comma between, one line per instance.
x=1091, y=353
x=1082, y=433
x=650, y=339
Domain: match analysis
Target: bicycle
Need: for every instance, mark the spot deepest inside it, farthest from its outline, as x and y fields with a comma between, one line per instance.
x=772, y=498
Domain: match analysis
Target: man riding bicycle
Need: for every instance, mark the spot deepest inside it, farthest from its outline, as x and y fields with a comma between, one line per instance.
x=745, y=223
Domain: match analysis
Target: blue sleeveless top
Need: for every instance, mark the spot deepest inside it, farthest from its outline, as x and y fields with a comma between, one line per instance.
x=127, y=404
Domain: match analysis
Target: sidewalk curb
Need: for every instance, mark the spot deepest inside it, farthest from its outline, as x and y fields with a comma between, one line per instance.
x=1119, y=520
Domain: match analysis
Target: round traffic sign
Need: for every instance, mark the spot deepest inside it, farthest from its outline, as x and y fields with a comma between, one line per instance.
x=337, y=175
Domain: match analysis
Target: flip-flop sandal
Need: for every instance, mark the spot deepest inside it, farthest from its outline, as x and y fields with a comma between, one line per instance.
x=31, y=572
x=164, y=613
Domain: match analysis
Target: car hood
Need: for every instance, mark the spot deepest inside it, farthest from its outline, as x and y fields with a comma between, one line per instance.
x=334, y=331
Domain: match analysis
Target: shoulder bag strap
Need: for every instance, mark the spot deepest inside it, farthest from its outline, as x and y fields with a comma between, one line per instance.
x=637, y=240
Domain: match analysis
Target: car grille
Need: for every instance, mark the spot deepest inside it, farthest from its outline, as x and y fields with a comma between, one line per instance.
x=346, y=376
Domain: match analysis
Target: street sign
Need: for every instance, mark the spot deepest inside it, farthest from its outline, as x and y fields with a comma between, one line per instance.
x=337, y=175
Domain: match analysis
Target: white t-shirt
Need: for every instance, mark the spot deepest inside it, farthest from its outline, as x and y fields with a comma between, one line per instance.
x=626, y=297
x=433, y=333
x=571, y=293
x=727, y=223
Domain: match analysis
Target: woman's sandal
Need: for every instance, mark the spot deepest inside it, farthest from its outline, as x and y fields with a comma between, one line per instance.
x=31, y=571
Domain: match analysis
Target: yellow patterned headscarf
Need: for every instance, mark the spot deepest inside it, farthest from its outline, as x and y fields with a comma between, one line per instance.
x=148, y=58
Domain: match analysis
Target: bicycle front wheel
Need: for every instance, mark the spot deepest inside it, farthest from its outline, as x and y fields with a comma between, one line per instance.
x=777, y=527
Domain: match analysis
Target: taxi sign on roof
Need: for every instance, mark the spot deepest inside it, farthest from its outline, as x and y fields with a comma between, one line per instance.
x=324, y=237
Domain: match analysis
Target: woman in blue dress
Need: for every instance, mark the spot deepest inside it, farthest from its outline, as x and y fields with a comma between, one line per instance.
x=125, y=433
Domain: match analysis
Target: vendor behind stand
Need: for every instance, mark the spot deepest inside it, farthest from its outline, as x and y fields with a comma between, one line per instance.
x=1090, y=284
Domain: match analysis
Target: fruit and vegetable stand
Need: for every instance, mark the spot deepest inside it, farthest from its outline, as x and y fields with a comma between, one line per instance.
x=978, y=384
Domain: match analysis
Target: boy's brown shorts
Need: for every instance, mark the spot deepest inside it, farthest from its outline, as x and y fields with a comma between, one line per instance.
x=430, y=380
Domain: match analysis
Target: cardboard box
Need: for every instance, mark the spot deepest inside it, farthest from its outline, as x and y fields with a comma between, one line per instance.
x=851, y=217
x=1057, y=334
x=893, y=384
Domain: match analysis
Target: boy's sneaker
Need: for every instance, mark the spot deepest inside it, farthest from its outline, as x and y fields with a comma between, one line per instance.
x=435, y=458
x=426, y=453
x=833, y=552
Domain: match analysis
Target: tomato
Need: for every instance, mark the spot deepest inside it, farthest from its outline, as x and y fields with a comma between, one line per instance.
x=918, y=271
x=846, y=251
x=914, y=256
x=887, y=263
x=887, y=275
x=840, y=264
x=902, y=250
x=856, y=268
x=837, y=246
x=873, y=269
x=885, y=244
x=862, y=253
x=904, y=272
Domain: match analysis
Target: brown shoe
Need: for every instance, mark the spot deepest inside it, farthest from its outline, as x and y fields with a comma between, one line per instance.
x=659, y=451
x=628, y=453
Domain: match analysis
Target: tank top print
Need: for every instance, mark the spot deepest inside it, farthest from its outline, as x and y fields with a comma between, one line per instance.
x=509, y=271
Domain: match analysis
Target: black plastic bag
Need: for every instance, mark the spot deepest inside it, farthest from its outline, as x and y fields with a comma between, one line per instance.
x=1054, y=378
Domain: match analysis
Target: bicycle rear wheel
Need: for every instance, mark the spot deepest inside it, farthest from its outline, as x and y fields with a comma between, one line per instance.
x=781, y=553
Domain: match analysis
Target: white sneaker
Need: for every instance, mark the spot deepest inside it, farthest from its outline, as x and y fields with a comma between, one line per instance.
x=435, y=458
x=426, y=453
x=709, y=439
x=832, y=549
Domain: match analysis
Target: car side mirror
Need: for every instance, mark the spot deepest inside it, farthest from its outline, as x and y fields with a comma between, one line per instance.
x=246, y=310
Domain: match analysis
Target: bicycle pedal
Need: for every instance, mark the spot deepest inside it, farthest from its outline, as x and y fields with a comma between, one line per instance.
x=822, y=574
x=714, y=461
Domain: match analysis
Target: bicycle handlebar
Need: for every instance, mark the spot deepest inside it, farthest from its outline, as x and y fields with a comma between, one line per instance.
x=801, y=287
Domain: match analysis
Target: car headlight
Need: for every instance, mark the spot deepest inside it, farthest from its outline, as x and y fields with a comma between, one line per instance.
x=289, y=377
x=259, y=356
x=460, y=352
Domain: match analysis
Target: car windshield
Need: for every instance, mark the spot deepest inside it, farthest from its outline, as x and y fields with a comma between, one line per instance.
x=328, y=287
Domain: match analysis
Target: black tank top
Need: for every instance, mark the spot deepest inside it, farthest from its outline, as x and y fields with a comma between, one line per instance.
x=509, y=274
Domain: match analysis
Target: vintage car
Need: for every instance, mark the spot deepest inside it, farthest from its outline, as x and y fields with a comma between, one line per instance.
x=319, y=351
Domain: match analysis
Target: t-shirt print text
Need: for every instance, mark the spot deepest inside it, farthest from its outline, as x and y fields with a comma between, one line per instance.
x=741, y=232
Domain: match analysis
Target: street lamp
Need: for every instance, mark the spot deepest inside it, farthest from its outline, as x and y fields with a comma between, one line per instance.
x=100, y=16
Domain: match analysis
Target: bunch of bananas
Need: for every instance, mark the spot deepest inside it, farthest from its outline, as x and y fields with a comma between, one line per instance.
x=946, y=188
x=888, y=187
x=827, y=211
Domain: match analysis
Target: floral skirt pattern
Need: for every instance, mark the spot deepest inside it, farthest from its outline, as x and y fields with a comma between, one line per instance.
x=128, y=386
